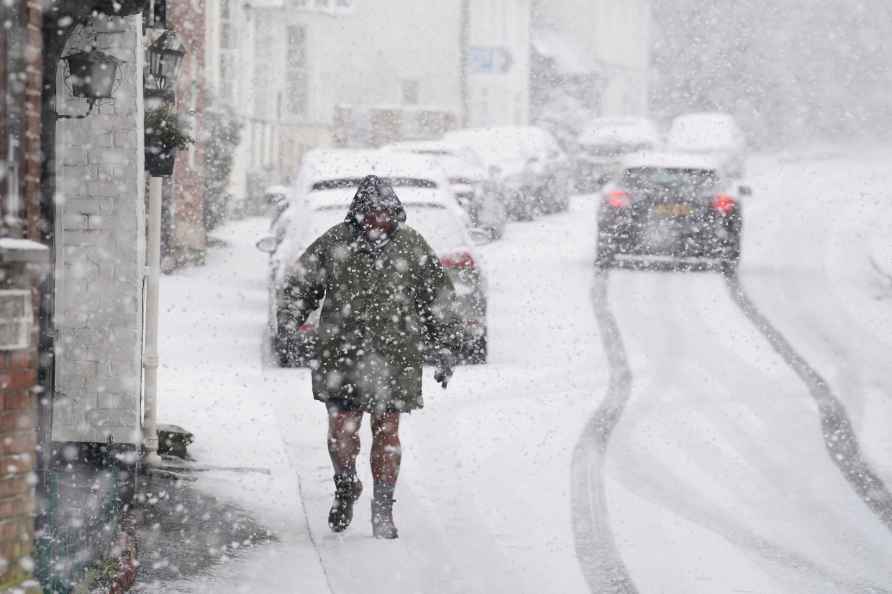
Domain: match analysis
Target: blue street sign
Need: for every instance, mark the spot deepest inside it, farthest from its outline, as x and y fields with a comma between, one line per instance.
x=489, y=60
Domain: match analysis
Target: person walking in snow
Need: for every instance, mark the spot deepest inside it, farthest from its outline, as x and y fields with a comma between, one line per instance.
x=385, y=302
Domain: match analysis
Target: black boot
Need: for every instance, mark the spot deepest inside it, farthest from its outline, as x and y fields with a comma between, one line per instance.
x=382, y=513
x=347, y=491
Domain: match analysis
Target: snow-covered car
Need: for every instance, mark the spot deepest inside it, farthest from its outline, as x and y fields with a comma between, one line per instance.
x=668, y=208
x=715, y=134
x=469, y=180
x=603, y=145
x=431, y=208
x=275, y=199
x=532, y=171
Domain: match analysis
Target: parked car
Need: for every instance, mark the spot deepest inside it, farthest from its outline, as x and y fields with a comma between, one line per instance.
x=671, y=209
x=603, y=145
x=469, y=180
x=275, y=200
x=531, y=170
x=327, y=183
x=715, y=134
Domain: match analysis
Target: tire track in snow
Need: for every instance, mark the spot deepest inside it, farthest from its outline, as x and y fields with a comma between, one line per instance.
x=599, y=559
x=839, y=434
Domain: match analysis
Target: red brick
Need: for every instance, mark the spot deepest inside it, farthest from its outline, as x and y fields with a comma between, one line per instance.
x=18, y=378
x=16, y=399
x=16, y=420
x=10, y=529
x=24, y=359
x=12, y=507
x=16, y=464
x=16, y=485
x=22, y=442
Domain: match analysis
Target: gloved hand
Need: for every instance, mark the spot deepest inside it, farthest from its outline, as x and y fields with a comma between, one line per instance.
x=443, y=370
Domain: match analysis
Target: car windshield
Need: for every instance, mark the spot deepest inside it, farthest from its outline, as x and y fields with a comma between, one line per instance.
x=612, y=149
x=439, y=225
x=661, y=178
x=353, y=182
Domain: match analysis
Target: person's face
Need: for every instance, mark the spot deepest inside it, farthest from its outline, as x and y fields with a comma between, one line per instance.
x=378, y=224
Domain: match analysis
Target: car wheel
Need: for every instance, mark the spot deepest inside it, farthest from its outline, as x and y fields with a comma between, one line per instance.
x=604, y=256
x=731, y=257
x=477, y=352
x=284, y=349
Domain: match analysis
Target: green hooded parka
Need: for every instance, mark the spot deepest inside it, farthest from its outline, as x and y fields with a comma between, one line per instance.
x=384, y=304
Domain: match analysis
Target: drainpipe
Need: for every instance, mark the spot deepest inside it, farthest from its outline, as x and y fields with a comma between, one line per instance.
x=150, y=355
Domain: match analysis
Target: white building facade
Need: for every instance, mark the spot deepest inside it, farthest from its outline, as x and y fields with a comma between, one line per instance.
x=230, y=57
x=325, y=68
x=612, y=37
x=498, y=62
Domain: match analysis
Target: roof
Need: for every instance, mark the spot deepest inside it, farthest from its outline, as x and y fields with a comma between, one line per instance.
x=567, y=58
x=667, y=160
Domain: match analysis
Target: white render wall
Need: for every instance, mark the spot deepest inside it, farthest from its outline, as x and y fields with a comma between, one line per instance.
x=501, y=98
x=100, y=249
x=357, y=58
x=243, y=20
x=614, y=36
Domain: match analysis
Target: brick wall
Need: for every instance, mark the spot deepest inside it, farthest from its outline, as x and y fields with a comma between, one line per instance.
x=18, y=437
x=21, y=263
x=21, y=266
x=100, y=248
x=187, y=17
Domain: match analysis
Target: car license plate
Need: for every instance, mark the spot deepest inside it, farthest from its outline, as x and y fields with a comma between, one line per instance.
x=672, y=210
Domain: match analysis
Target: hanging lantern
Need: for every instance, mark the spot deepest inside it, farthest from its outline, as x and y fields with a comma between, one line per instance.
x=92, y=75
x=165, y=56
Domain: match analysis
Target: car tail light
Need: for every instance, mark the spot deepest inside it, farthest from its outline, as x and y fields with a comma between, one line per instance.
x=618, y=199
x=724, y=204
x=306, y=328
x=458, y=260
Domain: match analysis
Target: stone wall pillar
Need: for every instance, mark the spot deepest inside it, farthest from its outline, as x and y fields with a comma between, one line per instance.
x=22, y=263
x=100, y=247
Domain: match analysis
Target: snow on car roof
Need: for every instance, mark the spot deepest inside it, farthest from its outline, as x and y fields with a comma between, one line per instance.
x=702, y=130
x=670, y=161
x=627, y=130
x=323, y=164
x=422, y=146
x=276, y=190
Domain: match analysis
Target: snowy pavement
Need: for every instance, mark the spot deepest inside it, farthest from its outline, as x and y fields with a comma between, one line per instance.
x=633, y=432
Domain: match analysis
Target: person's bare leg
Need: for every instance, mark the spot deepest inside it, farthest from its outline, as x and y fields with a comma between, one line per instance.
x=386, y=455
x=386, y=448
x=343, y=447
x=343, y=440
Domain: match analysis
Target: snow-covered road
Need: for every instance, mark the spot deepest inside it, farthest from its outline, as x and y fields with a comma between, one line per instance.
x=633, y=432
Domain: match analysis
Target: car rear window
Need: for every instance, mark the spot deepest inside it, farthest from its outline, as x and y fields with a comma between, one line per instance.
x=353, y=182
x=439, y=225
x=647, y=178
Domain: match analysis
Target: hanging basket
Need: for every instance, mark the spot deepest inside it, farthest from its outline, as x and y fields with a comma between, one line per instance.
x=160, y=160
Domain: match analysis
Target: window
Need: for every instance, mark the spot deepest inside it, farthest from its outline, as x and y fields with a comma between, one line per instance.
x=228, y=53
x=410, y=92
x=296, y=92
x=227, y=76
x=16, y=319
x=228, y=39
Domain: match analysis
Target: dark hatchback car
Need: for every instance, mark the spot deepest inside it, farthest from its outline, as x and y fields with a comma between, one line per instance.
x=674, y=210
